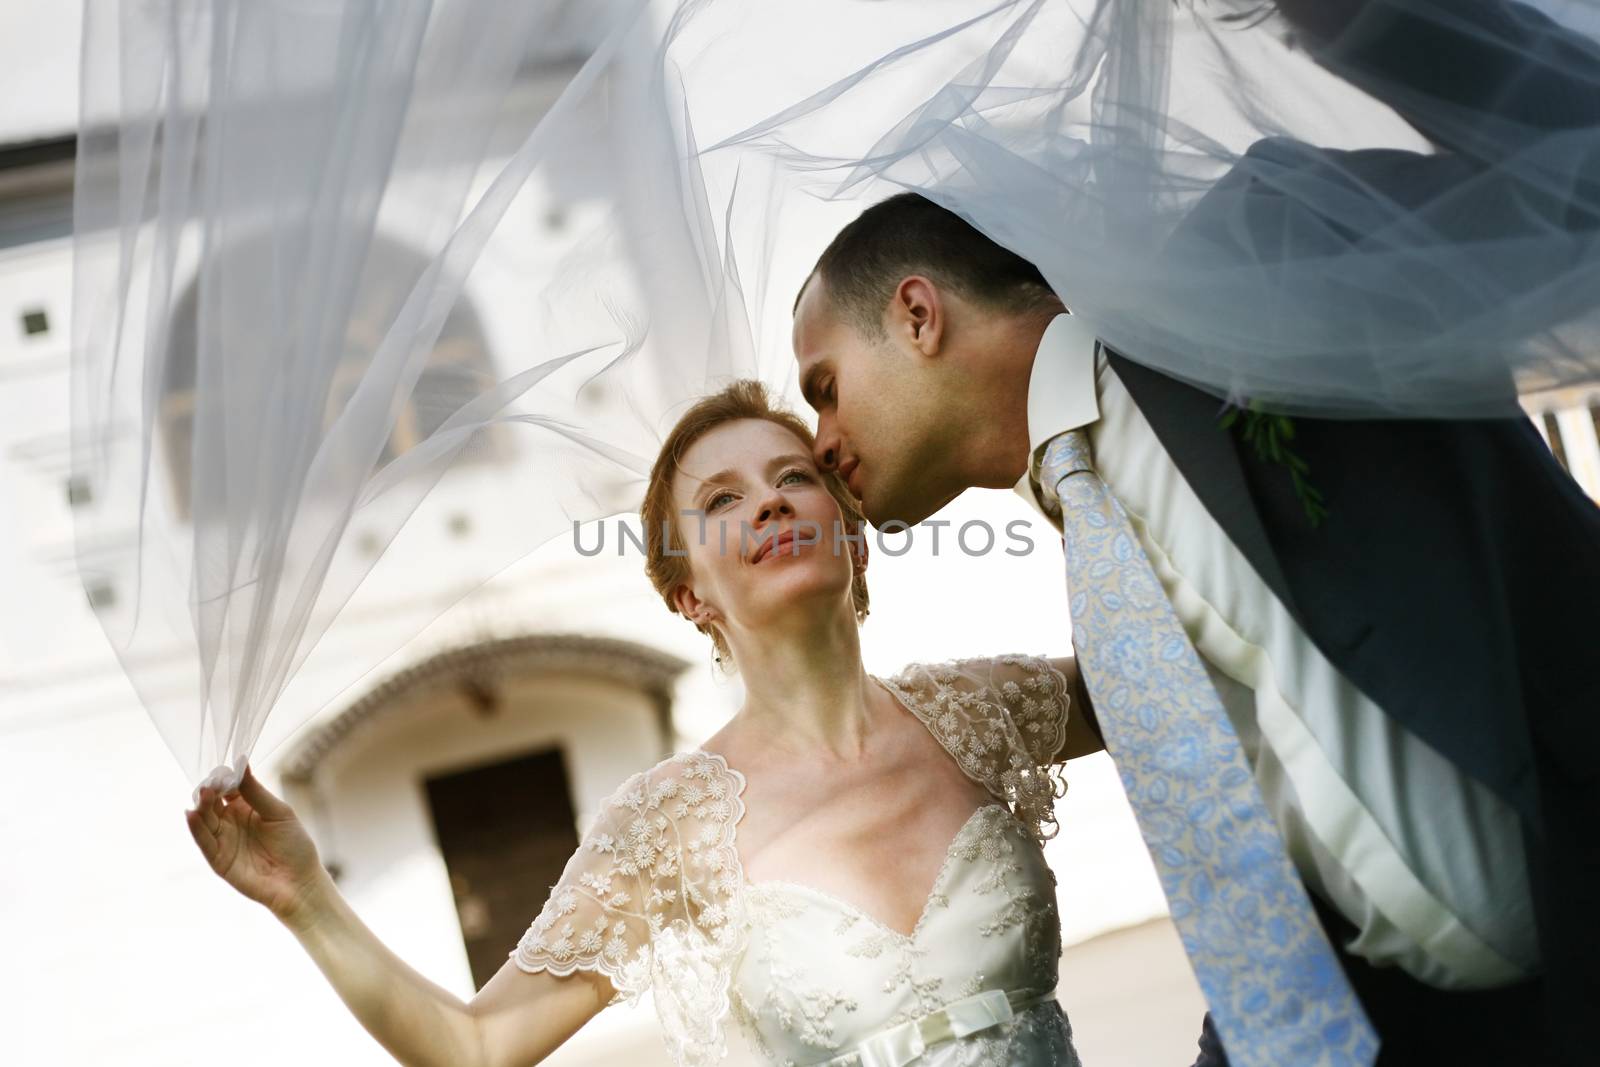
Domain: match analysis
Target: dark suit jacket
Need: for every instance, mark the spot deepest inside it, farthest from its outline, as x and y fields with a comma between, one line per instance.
x=1456, y=579
x=1456, y=582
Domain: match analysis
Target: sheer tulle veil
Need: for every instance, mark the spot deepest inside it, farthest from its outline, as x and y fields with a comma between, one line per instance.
x=259, y=396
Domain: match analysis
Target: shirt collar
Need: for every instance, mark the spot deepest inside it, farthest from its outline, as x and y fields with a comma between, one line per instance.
x=1061, y=389
x=1061, y=393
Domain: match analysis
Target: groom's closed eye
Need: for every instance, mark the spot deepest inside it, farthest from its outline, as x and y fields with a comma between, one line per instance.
x=815, y=389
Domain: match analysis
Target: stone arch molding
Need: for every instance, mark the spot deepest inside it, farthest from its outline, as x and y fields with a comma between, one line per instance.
x=476, y=669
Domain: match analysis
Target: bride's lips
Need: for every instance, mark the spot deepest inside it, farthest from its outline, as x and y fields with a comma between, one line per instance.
x=770, y=545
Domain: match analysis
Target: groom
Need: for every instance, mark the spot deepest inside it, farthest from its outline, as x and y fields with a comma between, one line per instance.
x=1411, y=680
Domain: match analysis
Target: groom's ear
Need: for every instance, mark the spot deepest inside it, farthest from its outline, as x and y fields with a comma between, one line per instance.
x=916, y=314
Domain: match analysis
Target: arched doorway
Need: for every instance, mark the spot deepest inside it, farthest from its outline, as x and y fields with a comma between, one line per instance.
x=456, y=790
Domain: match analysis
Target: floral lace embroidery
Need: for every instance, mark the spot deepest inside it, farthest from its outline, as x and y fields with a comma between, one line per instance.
x=654, y=899
x=1003, y=720
x=803, y=1008
x=808, y=1006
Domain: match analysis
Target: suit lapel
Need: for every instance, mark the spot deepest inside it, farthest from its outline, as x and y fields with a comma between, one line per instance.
x=1185, y=420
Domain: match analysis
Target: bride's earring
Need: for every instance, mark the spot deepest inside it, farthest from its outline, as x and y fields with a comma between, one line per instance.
x=703, y=618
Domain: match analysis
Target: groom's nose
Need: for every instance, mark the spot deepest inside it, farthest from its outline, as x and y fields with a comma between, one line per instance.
x=826, y=451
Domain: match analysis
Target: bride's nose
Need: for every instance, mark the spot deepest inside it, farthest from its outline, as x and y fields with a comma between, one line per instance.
x=775, y=506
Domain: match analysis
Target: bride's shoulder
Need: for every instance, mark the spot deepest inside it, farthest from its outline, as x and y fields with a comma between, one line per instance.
x=1009, y=678
x=695, y=784
x=1026, y=696
x=1003, y=719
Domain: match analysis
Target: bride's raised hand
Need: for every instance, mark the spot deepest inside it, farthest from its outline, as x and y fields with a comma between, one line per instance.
x=256, y=843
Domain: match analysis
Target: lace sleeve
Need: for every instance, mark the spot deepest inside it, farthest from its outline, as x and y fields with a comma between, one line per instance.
x=1036, y=694
x=1004, y=721
x=652, y=899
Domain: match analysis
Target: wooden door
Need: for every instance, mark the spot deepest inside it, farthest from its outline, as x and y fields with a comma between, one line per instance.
x=506, y=830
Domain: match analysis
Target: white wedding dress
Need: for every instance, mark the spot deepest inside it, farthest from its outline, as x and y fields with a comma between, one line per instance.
x=656, y=899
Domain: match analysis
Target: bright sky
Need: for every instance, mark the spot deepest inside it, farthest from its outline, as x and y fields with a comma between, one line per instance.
x=38, y=69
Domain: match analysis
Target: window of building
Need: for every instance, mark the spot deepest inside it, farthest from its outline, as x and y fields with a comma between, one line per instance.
x=459, y=368
x=506, y=831
x=102, y=595
x=78, y=491
x=34, y=322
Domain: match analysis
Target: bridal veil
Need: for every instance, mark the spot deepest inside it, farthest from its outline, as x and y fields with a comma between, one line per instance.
x=281, y=203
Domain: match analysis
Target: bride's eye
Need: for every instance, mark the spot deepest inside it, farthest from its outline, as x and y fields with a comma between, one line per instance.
x=784, y=480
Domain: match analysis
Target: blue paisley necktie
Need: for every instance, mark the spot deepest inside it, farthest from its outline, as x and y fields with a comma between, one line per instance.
x=1277, y=995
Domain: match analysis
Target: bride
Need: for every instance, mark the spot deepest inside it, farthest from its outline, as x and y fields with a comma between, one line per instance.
x=850, y=871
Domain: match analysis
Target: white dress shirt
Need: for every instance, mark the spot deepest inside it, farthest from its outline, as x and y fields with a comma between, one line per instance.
x=1424, y=861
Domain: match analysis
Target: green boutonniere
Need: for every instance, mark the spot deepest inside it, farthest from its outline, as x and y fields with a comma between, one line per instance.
x=1270, y=436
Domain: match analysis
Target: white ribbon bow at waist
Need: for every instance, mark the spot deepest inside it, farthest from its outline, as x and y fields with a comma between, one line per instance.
x=901, y=1045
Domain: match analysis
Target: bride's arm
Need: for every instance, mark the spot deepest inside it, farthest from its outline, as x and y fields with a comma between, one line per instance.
x=517, y=1019
x=256, y=843
x=1083, y=730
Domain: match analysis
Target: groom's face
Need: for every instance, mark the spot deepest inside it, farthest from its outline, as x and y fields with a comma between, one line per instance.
x=878, y=413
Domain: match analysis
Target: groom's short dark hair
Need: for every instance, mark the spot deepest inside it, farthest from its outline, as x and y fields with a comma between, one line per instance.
x=910, y=234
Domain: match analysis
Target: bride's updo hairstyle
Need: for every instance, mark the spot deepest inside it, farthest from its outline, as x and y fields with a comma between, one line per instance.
x=743, y=399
